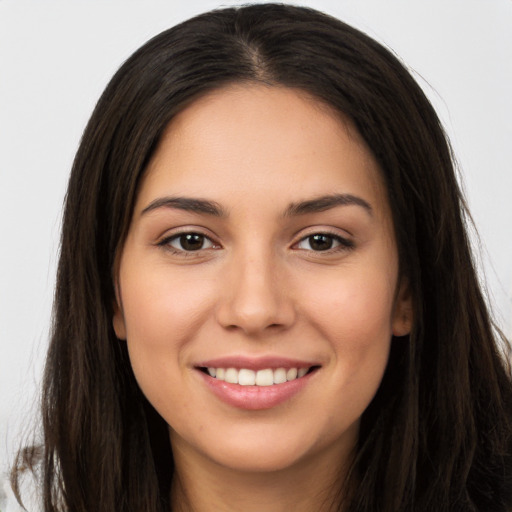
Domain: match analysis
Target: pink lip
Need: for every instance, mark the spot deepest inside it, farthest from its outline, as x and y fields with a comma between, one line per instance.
x=254, y=397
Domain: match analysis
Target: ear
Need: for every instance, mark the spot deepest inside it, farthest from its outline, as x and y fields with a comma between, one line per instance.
x=403, y=310
x=118, y=318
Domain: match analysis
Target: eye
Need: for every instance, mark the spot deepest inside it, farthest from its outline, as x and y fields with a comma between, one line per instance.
x=324, y=242
x=188, y=242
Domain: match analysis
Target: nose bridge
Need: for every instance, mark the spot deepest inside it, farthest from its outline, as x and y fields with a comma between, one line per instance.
x=256, y=297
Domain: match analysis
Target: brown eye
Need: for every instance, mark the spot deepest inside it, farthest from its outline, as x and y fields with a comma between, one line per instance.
x=319, y=242
x=189, y=242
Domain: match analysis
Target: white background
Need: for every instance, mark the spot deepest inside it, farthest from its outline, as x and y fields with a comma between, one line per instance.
x=57, y=56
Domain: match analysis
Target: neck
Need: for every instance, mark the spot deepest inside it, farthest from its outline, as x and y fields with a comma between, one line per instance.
x=201, y=485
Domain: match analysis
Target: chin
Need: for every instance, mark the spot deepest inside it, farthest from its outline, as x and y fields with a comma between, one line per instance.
x=252, y=461
x=261, y=449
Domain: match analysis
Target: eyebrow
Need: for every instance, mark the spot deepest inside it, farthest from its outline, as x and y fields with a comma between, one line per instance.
x=204, y=206
x=187, y=204
x=320, y=204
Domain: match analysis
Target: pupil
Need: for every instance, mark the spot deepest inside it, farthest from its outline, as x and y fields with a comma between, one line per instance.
x=192, y=241
x=320, y=242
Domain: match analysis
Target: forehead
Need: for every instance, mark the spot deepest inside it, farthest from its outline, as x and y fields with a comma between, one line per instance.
x=246, y=141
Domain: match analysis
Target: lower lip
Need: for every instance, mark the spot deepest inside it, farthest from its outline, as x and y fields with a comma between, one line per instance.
x=255, y=397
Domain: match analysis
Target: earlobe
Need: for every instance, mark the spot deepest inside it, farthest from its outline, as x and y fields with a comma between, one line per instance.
x=118, y=323
x=118, y=318
x=403, y=311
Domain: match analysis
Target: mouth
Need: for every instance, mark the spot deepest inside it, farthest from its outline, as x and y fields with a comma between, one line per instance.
x=261, y=377
x=256, y=384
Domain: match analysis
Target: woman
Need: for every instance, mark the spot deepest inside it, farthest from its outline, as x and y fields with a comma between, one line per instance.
x=265, y=294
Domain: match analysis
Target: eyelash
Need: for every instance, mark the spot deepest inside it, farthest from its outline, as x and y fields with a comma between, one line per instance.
x=344, y=244
x=166, y=243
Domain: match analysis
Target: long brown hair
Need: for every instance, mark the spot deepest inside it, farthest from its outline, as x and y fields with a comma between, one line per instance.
x=438, y=434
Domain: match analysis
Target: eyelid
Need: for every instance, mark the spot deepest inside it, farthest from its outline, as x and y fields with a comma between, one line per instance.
x=172, y=234
x=178, y=237
x=345, y=242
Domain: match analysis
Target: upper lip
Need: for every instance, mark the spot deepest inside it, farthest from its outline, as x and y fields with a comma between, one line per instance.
x=256, y=363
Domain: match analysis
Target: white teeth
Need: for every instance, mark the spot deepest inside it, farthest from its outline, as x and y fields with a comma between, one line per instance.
x=265, y=377
x=246, y=377
x=279, y=376
x=291, y=374
x=302, y=372
x=231, y=376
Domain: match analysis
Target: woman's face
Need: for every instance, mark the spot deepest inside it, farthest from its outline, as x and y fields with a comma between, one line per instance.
x=261, y=249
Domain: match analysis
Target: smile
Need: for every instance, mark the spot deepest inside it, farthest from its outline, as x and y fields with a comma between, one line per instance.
x=263, y=377
x=256, y=384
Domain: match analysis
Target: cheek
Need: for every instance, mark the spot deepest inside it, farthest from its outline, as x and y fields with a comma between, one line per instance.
x=161, y=318
x=353, y=312
x=354, y=307
x=164, y=307
x=162, y=313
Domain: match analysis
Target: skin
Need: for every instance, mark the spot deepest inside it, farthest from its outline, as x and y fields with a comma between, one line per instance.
x=258, y=288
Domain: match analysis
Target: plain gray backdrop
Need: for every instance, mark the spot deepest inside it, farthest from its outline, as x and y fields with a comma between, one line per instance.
x=57, y=56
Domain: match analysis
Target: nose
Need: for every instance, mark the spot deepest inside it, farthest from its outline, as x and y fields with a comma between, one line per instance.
x=255, y=296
